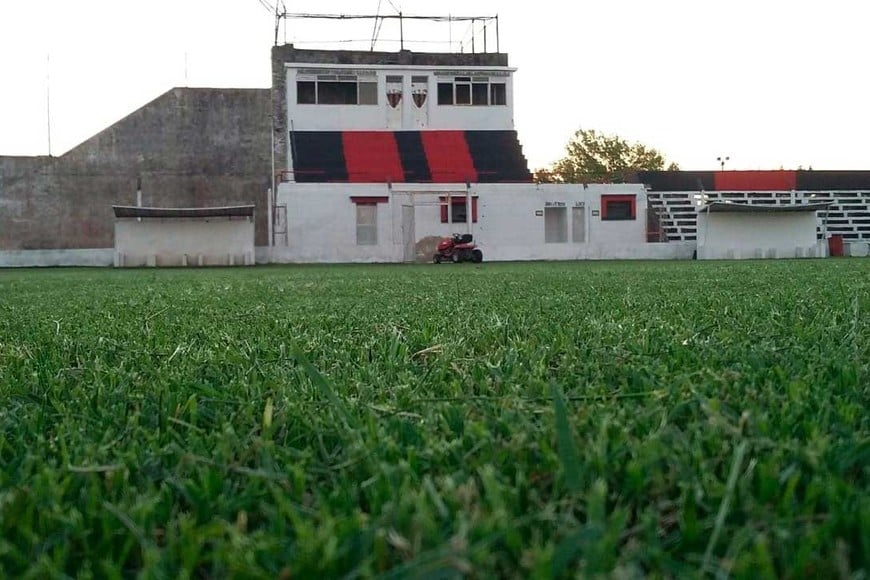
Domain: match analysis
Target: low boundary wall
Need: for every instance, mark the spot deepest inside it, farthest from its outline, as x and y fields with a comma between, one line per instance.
x=55, y=258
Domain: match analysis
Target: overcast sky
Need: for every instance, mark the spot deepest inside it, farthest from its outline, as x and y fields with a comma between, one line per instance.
x=770, y=83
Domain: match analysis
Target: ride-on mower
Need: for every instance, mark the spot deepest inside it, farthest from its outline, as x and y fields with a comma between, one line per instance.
x=458, y=248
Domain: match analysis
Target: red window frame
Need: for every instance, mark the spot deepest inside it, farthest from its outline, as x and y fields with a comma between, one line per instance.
x=457, y=200
x=369, y=199
x=606, y=199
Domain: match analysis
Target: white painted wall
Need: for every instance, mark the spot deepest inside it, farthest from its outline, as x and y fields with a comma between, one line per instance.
x=378, y=117
x=725, y=235
x=174, y=241
x=322, y=222
x=54, y=258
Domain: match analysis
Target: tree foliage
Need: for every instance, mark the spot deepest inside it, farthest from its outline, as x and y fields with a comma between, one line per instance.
x=593, y=157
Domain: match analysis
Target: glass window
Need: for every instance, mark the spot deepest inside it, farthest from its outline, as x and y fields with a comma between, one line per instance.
x=306, y=93
x=479, y=94
x=498, y=94
x=336, y=93
x=445, y=93
x=458, y=213
x=366, y=224
x=463, y=94
x=368, y=93
x=617, y=207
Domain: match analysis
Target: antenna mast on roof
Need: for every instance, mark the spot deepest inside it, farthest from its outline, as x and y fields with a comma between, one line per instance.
x=378, y=19
x=48, y=98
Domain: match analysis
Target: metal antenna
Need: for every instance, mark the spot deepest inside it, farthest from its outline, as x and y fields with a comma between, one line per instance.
x=48, y=98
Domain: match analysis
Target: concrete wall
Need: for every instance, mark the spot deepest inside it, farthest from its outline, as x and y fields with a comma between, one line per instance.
x=184, y=242
x=187, y=148
x=54, y=258
x=728, y=235
x=322, y=223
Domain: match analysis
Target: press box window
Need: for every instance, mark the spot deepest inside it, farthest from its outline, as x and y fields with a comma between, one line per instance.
x=479, y=90
x=476, y=91
x=618, y=207
x=498, y=94
x=368, y=93
x=336, y=93
x=445, y=93
x=306, y=93
x=336, y=90
x=463, y=90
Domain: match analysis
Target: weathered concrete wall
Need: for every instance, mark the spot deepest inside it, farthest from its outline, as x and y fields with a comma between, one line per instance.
x=758, y=235
x=55, y=258
x=187, y=148
x=184, y=241
x=322, y=223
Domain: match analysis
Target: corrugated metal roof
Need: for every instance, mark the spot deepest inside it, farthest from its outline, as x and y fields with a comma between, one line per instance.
x=126, y=211
x=733, y=207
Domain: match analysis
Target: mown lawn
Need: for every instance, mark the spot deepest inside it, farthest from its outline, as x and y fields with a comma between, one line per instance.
x=508, y=420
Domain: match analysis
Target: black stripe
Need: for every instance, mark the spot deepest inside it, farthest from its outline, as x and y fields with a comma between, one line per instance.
x=413, y=157
x=318, y=156
x=677, y=180
x=833, y=180
x=498, y=156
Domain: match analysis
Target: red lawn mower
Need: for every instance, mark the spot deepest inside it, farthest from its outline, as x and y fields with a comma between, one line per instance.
x=458, y=248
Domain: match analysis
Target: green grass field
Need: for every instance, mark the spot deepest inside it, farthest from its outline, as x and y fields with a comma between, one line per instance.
x=505, y=420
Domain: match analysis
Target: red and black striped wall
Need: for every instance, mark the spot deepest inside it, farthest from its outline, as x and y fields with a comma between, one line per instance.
x=409, y=157
x=755, y=180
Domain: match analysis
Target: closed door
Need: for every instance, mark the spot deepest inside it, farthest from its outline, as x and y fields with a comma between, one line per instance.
x=408, y=237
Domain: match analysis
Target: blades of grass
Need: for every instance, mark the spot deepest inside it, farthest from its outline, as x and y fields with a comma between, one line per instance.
x=739, y=454
x=326, y=390
x=567, y=448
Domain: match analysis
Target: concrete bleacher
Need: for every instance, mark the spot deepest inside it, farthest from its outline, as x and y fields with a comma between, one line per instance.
x=408, y=156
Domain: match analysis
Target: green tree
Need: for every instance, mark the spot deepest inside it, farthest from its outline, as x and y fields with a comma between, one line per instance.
x=593, y=157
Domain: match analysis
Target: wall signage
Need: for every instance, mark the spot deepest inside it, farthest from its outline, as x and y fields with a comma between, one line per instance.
x=596, y=212
x=539, y=213
x=554, y=204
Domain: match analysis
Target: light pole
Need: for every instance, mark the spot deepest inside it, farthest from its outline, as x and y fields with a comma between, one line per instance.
x=722, y=161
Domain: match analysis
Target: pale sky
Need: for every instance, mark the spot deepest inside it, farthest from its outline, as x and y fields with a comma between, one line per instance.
x=770, y=83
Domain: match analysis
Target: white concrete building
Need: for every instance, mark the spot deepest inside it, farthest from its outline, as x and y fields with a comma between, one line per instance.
x=385, y=153
x=728, y=230
x=403, y=222
x=154, y=236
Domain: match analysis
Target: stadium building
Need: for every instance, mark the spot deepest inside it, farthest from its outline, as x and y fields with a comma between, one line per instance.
x=364, y=156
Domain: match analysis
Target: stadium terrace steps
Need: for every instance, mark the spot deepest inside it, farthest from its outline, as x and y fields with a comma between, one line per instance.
x=319, y=156
x=371, y=156
x=409, y=156
x=448, y=156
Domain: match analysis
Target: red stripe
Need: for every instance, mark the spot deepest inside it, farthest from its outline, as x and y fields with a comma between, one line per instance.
x=755, y=180
x=372, y=157
x=369, y=199
x=448, y=156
